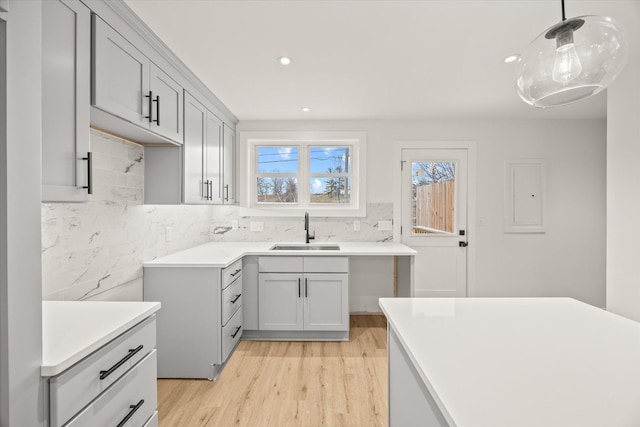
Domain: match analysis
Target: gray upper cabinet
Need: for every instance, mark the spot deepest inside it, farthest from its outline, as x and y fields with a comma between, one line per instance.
x=120, y=75
x=201, y=151
x=167, y=97
x=229, y=169
x=66, y=68
x=126, y=84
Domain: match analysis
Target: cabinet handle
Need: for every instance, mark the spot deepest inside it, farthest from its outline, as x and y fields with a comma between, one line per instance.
x=226, y=192
x=133, y=410
x=306, y=290
x=132, y=352
x=236, y=272
x=298, y=287
x=89, y=160
x=150, y=96
x=210, y=190
x=233, y=301
x=157, y=101
x=236, y=332
x=205, y=190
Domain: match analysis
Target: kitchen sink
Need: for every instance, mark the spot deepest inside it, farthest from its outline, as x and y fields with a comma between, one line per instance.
x=303, y=247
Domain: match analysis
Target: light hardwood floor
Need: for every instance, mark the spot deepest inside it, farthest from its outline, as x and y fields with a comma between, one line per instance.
x=289, y=384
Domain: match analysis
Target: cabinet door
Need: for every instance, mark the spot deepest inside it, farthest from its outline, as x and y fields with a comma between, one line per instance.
x=229, y=167
x=167, y=105
x=66, y=28
x=326, y=302
x=120, y=76
x=280, y=302
x=213, y=158
x=195, y=118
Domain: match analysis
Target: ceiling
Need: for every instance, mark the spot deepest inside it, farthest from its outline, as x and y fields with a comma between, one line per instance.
x=363, y=59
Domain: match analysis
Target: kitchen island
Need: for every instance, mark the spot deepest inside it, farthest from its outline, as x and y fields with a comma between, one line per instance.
x=99, y=363
x=507, y=362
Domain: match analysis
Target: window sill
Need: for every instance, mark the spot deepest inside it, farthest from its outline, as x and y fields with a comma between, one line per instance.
x=295, y=212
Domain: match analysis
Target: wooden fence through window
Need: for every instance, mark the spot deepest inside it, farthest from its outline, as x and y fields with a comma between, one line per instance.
x=435, y=205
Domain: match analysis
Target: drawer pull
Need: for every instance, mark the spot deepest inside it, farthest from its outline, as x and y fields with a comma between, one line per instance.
x=236, y=332
x=233, y=301
x=133, y=410
x=236, y=272
x=132, y=352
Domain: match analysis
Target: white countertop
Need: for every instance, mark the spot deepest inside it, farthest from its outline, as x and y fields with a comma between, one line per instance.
x=522, y=362
x=222, y=254
x=71, y=330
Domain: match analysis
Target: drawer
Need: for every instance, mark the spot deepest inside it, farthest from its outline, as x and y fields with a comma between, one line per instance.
x=133, y=395
x=280, y=264
x=231, y=299
x=231, y=334
x=231, y=273
x=77, y=386
x=326, y=264
x=153, y=421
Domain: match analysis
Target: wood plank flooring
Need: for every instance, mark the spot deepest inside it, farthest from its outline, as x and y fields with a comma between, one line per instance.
x=289, y=384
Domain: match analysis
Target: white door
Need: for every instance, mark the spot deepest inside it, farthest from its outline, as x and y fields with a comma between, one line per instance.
x=195, y=189
x=167, y=104
x=121, y=76
x=326, y=302
x=434, y=219
x=213, y=158
x=280, y=301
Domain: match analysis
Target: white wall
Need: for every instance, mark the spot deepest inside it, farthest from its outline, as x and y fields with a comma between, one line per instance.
x=95, y=250
x=623, y=193
x=569, y=259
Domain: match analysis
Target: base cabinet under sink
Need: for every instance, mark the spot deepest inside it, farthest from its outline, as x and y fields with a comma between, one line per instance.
x=302, y=298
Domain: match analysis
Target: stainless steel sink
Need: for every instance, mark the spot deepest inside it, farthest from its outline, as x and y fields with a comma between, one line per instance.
x=303, y=247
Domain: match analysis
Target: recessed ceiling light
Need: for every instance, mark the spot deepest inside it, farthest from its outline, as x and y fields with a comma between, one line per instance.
x=511, y=58
x=306, y=109
x=284, y=60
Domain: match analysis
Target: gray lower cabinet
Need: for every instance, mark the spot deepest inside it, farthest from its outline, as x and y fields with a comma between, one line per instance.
x=305, y=295
x=66, y=65
x=128, y=86
x=114, y=384
x=201, y=320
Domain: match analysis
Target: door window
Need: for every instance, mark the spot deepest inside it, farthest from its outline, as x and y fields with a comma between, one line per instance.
x=434, y=197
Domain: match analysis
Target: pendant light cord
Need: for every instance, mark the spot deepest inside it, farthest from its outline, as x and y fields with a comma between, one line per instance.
x=564, y=17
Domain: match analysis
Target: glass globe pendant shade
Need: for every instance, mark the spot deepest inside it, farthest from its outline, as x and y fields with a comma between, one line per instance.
x=570, y=61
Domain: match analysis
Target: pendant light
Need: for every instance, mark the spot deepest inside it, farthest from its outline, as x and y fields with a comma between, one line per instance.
x=571, y=60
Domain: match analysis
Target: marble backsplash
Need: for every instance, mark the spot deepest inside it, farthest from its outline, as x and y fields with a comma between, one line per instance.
x=95, y=250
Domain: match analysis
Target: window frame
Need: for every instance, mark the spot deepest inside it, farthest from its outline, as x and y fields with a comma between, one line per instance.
x=304, y=141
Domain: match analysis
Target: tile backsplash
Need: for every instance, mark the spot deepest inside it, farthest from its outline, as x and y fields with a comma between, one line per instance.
x=95, y=250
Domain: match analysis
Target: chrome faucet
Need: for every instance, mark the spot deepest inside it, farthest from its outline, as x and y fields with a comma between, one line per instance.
x=306, y=228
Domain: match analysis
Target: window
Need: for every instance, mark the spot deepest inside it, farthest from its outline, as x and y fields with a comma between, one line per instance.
x=291, y=172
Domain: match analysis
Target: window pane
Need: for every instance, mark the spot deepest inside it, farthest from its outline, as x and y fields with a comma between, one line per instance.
x=330, y=190
x=277, y=190
x=434, y=186
x=277, y=159
x=330, y=159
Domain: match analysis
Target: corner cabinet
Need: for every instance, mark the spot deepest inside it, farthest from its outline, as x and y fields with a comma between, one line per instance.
x=303, y=298
x=66, y=59
x=201, y=319
x=127, y=85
